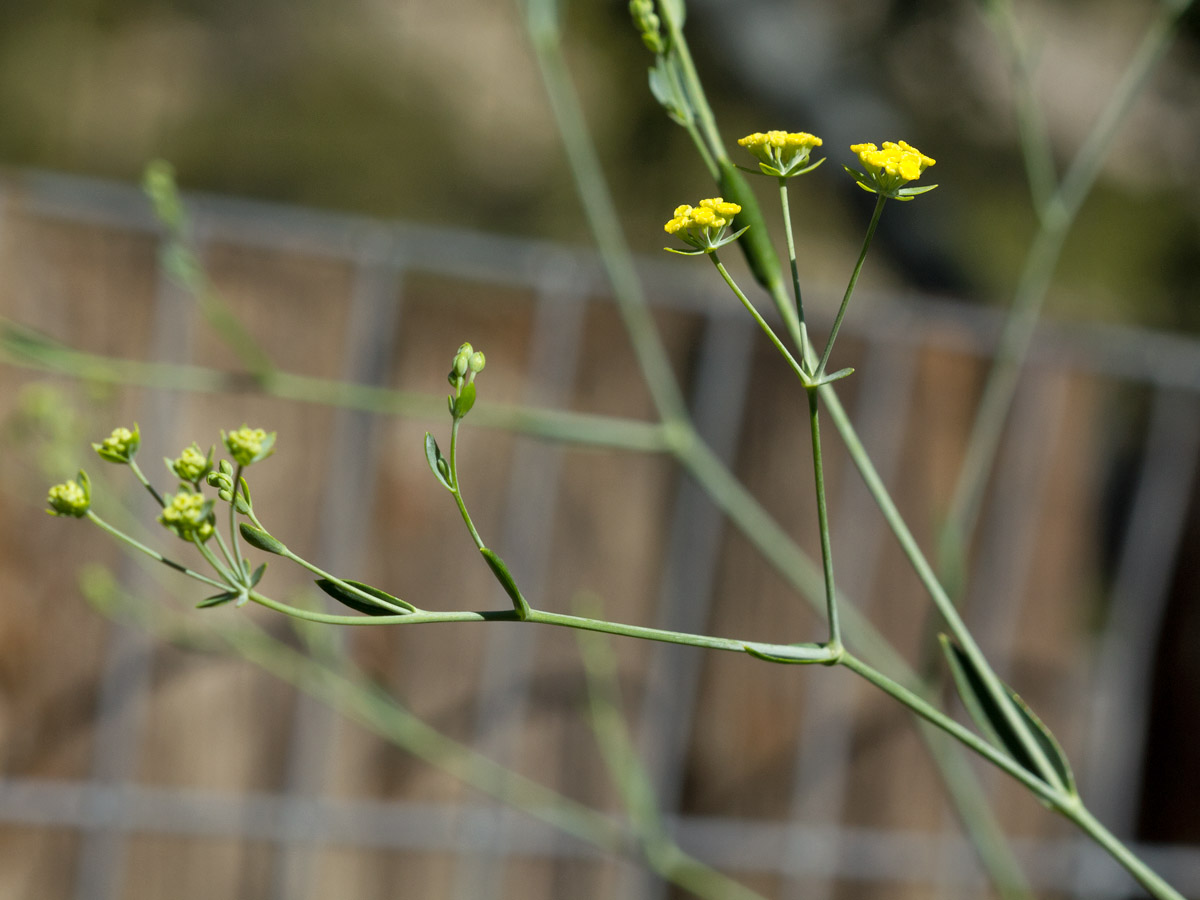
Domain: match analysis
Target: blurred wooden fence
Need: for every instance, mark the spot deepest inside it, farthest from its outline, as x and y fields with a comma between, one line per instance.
x=131, y=768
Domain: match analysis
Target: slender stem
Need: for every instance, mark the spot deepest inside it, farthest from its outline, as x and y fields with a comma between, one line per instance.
x=791, y=248
x=233, y=529
x=935, y=716
x=601, y=213
x=224, y=547
x=462, y=506
x=154, y=554
x=233, y=577
x=1059, y=215
x=837, y=322
x=349, y=588
x=762, y=323
x=694, y=88
x=1142, y=873
x=27, y=349
x=831, y=606
x=137, y=471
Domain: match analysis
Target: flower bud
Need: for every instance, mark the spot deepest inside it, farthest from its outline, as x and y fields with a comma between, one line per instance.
x=188, y=515
x=248, y=445
x=120, y=446
x=71, y=498
x=192, y=465
x=476, y=362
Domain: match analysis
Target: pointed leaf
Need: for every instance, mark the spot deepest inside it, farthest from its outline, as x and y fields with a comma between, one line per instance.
x=982, y=707
x=217, y=599
x=437, y=462
x=520, y=604
x=258, y=574
x=256, y=537
x=466, y=399
x=394, y=605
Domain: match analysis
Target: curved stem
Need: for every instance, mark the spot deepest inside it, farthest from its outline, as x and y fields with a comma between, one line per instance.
x=233, y=529
x=462, y=506
x=137, y=471
x=837, y=322
x=762, y=323
x=791, y=248
x=154, y=554
x=831, y=606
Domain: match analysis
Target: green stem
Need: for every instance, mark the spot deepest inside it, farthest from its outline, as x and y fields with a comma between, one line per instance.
x=224, y=548
x=1059, y=215
x=345, y=586
x=837, y=322
x=233, y=529
x=694, y=88
x=154, y=554
x=137, y=471
x=235, y=577
x=23, y=348
x=605, y=224
x=936, y=717
x=762, y=323
x=791, y=248
x=1142, y=873
x=831, y=606
x=462, y=506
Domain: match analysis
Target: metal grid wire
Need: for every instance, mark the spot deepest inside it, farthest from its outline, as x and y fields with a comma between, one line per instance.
x=810, y=851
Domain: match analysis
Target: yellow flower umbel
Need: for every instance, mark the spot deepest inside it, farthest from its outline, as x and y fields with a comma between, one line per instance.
x=888, y=169
x=703, y=225
x=188, y=516
x=71, y=498
x=780, y=153
x=192, y=464
x=249, y=445
x=120, y=446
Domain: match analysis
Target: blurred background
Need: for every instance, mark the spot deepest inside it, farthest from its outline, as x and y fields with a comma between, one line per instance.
x=374, y=181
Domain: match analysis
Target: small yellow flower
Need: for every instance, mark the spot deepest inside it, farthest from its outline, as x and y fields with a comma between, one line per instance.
x=188, y=515
x=887, y=169
x=192, y=465
x=120, y=446
x=781, y=153
x=71, y=498
x=702, y=225
x=248, y=445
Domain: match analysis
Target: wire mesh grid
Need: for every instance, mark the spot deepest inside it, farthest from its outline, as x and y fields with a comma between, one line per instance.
x=814, y=846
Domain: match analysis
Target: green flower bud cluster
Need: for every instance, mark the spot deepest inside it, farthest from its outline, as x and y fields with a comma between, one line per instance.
x=71, y=498
x=222, y=480
x=468, y=362
x=248, y=445
x=188, y=516
x=646, y=21
x=119, y=447
x=192, y=465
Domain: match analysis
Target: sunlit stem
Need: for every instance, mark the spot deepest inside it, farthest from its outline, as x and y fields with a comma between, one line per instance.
x=814, y=418
x=862, y=256
x=762, y=323
x=137, y=471
x=154, y=554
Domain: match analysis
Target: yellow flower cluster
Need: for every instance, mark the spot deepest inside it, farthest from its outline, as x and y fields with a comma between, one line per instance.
x=68, y=499
x=899, y=162
x=709, y=215
x=120, y=446
x=188, y=515
x=248, y=445
x=192, y=465
x=776, y=147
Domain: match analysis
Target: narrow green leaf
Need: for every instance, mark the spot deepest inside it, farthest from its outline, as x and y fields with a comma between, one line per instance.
x=437, y=462
x=982, y=707
x=466, y=399
x=520, y=604
x=256, y=537
x=388, y=605
x=258, y=574
x=217, y=599
x=802, y=654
